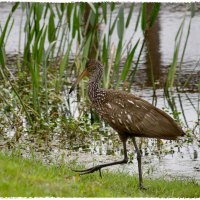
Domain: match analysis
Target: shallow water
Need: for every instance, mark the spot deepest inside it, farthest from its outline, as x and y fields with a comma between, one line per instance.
x=182, y=162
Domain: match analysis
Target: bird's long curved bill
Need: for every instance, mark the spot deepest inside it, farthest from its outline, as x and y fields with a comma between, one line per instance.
x=83, y=74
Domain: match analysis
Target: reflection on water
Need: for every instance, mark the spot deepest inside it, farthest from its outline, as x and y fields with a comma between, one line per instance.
x=166, y=28
x=153, y=55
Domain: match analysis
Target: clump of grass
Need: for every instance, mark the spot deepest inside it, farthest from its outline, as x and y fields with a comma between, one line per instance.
x=31, y=178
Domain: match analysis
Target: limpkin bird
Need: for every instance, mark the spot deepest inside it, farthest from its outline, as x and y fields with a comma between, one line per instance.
x=129, y=115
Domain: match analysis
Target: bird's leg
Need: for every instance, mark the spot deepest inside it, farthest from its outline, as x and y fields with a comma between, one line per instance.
x=99, y=167
x=141, y=186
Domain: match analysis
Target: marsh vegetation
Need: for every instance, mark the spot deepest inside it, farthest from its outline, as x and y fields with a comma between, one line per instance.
x=44, y=46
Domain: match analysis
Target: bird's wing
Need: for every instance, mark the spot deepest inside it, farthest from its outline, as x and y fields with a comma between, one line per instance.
x=128, y=113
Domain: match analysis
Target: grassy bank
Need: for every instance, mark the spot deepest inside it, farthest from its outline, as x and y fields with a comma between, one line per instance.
x=31, y=178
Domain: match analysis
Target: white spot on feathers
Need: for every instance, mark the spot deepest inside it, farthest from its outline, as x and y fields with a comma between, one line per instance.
x=108, y=104
x=113, y=121
x=131, y=102
x=129, y=118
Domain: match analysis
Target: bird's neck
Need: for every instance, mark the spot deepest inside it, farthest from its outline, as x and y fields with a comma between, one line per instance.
x=93, y=86
x=93, y=89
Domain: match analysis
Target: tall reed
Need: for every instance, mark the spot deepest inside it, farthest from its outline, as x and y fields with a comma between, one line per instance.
x=55, y=33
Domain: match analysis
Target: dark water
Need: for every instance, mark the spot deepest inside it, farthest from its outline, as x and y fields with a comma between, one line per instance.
x=184, y=162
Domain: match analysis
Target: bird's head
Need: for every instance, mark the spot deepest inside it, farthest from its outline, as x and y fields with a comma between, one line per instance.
x=92, y=67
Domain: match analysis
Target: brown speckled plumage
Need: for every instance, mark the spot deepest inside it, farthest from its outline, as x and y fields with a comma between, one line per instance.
x=129, y=115
x=132, y=116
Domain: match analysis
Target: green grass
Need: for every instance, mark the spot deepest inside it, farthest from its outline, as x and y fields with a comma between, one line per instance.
x=31, y=178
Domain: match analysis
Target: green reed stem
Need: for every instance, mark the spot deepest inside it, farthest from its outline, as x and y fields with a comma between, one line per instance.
x=133, y=73
x=182, y=109
x=18, y=96
x=172, y=69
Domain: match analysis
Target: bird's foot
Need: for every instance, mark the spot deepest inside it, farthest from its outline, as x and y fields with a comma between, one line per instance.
x=99, y=167
x=142, y=187
x=90, y=170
